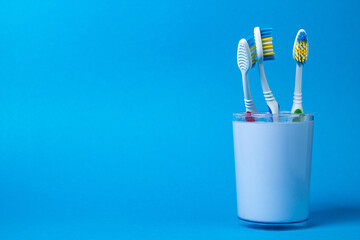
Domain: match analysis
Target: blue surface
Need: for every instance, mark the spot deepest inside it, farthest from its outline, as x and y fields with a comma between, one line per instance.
x=116, y=116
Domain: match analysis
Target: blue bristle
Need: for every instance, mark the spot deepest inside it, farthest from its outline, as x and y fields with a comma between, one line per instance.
x=302, y=37
x=266, y=29
x=269, y=57
x=266, y=32
x=250, y=41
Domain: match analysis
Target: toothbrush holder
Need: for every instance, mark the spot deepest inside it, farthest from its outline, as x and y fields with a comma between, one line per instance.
x=272, y=165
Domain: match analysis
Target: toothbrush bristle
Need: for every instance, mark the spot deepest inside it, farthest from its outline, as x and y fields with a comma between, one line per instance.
x=268, y=48
x=301, y=48
x=251, y=43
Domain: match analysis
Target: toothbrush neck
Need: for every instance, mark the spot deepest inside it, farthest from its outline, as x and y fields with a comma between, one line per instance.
x=246, y=87
x=264, y=83
x=298, y=79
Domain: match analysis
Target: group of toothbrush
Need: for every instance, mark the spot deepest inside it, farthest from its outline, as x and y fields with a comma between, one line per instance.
x=259, y=49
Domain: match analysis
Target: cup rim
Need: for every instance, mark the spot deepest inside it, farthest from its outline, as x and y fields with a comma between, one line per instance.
x=284, y=115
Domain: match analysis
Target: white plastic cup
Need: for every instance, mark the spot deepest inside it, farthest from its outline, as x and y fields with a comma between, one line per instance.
x=272, y=162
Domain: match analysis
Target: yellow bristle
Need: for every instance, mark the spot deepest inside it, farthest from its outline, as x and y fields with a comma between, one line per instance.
x=267, y=39
x=301, y=51
x=269, y=53
x=252, y=48
x=268, y=46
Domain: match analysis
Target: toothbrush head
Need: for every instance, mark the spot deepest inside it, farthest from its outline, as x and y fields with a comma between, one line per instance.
x=264, y=45
x=301, y=47
x=246, y=54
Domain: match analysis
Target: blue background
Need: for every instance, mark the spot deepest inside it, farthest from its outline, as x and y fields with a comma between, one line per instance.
x=115, y=116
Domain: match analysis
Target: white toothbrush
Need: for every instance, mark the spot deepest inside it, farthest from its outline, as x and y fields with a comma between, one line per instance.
x=300, y=53
x=265, y=52
x=246, y=59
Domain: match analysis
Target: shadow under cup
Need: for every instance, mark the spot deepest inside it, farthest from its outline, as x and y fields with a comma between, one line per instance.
x=272, y=162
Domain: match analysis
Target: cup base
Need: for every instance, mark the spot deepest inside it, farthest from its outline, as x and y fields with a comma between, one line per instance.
x=280, y=226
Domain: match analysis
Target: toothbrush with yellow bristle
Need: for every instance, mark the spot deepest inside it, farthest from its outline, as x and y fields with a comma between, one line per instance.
x=300, y=53
x=265, y=52
x=246, y=59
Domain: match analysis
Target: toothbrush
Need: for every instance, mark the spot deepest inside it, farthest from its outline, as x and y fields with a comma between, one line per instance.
x=265, y=52
x=300, y=53
x=246, y=59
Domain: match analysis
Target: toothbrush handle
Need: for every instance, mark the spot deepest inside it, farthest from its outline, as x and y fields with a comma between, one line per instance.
x=250, y=105
x=297, y=102
x=249, y=102
x=269, y=97
x=273, y=105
